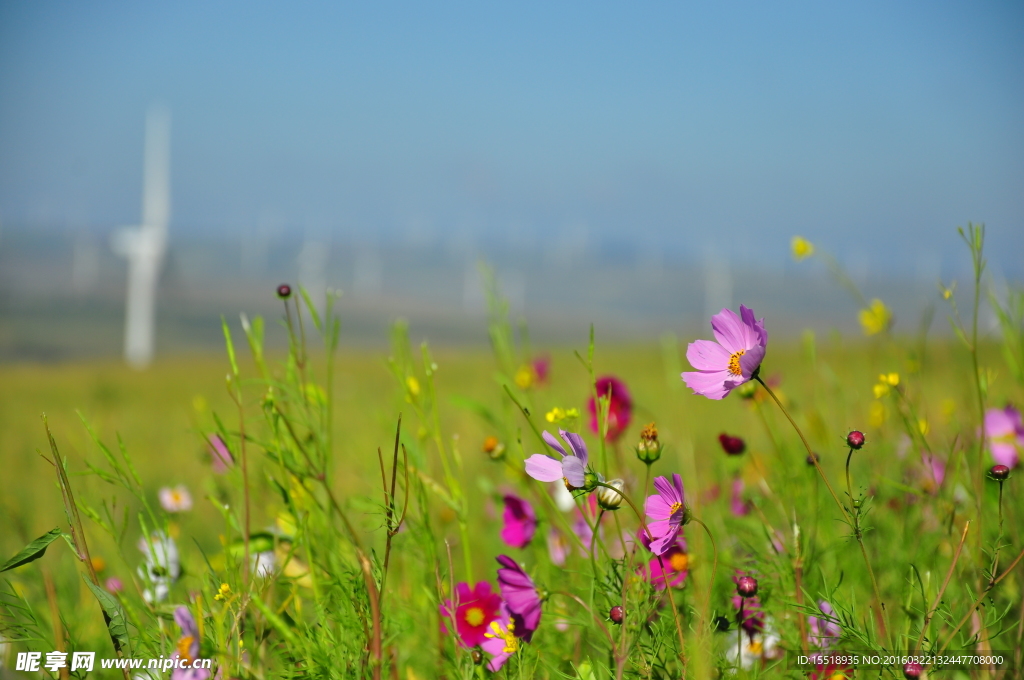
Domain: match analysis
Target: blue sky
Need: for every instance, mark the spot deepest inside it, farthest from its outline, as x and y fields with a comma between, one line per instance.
x=872, y=128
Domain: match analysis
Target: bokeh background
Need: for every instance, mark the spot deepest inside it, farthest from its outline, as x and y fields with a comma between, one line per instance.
x=635, y=167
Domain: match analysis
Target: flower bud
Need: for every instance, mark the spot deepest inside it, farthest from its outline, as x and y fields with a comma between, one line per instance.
x=284, y=291
x=747, y=390
x=813, y=458
x=746, y=586
x=649, y=448
x=855, y=439
x=494, y=448
x=477, y=656
x=590, y=480
x=999, y=473
x=617, y=614
x=734, y=446
x=611, y=499
x=912, y=671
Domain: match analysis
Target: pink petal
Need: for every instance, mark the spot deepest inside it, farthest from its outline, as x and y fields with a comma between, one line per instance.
x=573, y=470
x=729, y=331
x=710, y=385
x=543, y=468
x=1005, y=453
x=751, y=360
x=661, y=545
x=579, y=449
x=667, y=491
x=658, y=508
x=705, y=355
x=553, y=443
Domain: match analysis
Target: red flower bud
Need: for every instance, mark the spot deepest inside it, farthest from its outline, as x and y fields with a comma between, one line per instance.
x=746, y=586
x=617, y=614
x=284, y=291
x=734, y=446
x=855, y=439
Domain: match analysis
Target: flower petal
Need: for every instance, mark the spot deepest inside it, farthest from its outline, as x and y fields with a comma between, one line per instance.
x=751, y=360
x=666, y=489
x=729, y=330
x=660, y=546
x=543, y=468
x=710, y=385
x=579, y=448
x=553, y=442
x=705, y=355
x=574, y=471
x=658, y=508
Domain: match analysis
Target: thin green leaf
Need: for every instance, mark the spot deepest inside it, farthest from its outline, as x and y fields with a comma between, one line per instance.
x=117, y=622
x=33, y=551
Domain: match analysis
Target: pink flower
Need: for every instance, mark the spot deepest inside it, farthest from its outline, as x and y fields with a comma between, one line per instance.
x=474, y=611
x=188, y=647
x=520, y=522
x=113, y=585
x=220, y=457
x=668, y=510
x=935, y=472
x=677, y=566
x=733, y=360
x=752, y=616
x=558, y=547
x=620, y=406
x=1004, y=432
x=738, y=506
x=824, y=631
x=176, y=499
x=520, y=595
x=542, y=368
x=572, y=468
x=501, y=639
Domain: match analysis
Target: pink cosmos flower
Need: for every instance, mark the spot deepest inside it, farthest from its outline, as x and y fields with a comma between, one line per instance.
x=542, y=368
x=677, y=566
x=824, y=631
x=1004, y=432
x=474, y=611
x=520, y=522
x=114, y=585
x=501, y=640
x=733, y=360
x=935, y=472
x=572, y=468
x=188, y=647
x=620, y=406
x=520, y=595
x=668, y=510
x=220, y=456
x=176, y=499
x=738, y=506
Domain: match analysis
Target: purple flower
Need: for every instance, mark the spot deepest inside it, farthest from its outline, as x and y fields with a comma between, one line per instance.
x=188, y=647
x=824, y=631
x=114, y=585
x=730, y=362
x=676, y=566
x=738, y=506
x=668, y=510
x=751, y=617
x=572, y=468
x=620, y=406
x=520, y=595
x=520, y=522
x=935, y=472
x=220, y=457
x=500, y=639
x=1004, y=432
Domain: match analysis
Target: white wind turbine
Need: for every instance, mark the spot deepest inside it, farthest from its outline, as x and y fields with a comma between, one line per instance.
x=144, y=245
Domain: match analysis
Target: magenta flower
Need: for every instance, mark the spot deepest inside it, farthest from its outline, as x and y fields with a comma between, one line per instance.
x=824, y=631
x=520, y=595
x=573, y=467
x=473, y=613
x=1004, y=432
x=114, y=585
x=668, y=510
x=752, y=617
x=220, y=457
x=676, y=566
x=738, y=506
x=501, y=641
x=620, y=406
x=520, y=522
x=724, y=365
x=542, y=368
x=935, y=472
x=188, y=647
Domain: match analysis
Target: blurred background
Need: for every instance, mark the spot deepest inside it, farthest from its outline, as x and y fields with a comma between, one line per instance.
x=634, y=167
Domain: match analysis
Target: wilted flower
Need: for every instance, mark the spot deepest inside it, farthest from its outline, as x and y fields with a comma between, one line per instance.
x=1004, y=432
x=474, y=611
x=611, y=499
x=734, y=446
x=520, y=595
x=571, y=469
x=620, y=406
x=501, y=639
x=875, y=318
x=220, y=456
x=520, y=522
x=176, y=499
x=188, y=647
x=668, y=510
x=824, y=631
x=732, y=360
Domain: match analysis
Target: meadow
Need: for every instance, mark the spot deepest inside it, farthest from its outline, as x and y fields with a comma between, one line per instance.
x=330, y=513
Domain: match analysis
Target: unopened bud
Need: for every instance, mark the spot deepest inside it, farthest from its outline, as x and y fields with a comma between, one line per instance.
x=477, y=656
x=734, y=446
x=813, y=458
x=590, y=480
x=855, y=439
x=999, y=473
x=649, y=448
x=746, y=586
x=617, y=614
x=912, y=671
x=284, y=291
x=611, y=499
x=494, y=448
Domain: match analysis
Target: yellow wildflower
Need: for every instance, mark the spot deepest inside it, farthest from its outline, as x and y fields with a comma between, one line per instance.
x=413, y=385
x=802, y=248
x=877, y=414
x=876, y=318
x=881, y=389
x=922, y=425
x=891, y=379
x=524, y=377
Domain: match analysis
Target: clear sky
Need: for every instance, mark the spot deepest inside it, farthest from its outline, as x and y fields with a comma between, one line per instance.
x=873, y=128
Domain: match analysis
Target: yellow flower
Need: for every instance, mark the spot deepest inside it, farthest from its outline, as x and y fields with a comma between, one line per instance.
x=802, y=248
x=557, y=415
x=877, y=414
x=524, y=377
x=875, y=318
x=881, y=390
x=891, y=379
x=922, y=425
x=223, y=593
x=413, y=385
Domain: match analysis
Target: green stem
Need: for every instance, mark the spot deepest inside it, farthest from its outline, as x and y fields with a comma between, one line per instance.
x=714, y=569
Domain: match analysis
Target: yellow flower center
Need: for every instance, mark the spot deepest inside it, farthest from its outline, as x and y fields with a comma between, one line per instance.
x=679, y=561
x=508, y=635
x=755, y=647
x=176, y=497
x=676, y=507
x=474, y=616
x=183, y=647
x=734, y=362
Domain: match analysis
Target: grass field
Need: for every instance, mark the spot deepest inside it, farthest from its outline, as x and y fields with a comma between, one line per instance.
x=331, y=584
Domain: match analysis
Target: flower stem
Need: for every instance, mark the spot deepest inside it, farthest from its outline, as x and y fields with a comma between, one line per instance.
x=807, y=446
x=714, y=568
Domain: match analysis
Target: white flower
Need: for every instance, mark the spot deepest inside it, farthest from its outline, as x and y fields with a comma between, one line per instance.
x=563, y=497
x=761, y=647
x=161, y=568
x=264, y=563
x=611, y=499
x=176, y=499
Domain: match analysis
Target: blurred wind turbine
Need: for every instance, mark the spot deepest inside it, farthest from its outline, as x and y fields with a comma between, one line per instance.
x=144, y=245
